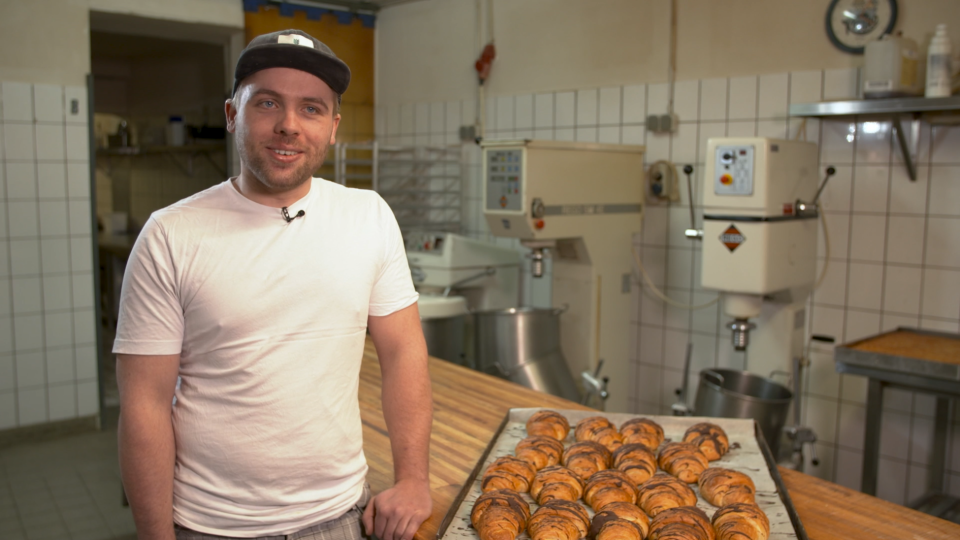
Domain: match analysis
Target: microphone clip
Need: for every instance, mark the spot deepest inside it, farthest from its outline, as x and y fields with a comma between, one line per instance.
x=287, y=217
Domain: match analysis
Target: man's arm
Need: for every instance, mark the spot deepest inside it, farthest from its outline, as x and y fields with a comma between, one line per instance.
x=147, y=451
x=398, y=512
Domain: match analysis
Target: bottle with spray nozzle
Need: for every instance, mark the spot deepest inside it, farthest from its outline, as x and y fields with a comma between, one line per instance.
x=939, y=64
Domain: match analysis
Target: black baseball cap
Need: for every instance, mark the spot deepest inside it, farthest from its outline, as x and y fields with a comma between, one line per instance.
x=292, y=49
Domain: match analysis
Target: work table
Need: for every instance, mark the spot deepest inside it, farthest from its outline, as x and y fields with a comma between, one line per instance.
x=469, y=407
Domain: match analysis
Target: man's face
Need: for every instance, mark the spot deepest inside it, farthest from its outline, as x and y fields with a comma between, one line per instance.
x=284, y=122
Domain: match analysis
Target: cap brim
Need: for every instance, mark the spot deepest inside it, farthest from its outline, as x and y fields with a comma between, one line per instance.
x=329, y=69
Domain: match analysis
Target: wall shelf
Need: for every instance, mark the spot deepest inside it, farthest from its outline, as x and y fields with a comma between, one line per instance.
x=170, y=152
x=893, y=108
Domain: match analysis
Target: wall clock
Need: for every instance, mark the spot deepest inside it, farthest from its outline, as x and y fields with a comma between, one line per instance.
x=851, y=24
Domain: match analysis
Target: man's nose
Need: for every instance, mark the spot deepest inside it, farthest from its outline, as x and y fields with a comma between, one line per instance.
x=288, y=123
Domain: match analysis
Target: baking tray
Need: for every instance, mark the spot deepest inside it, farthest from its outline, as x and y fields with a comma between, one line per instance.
x=748, y=454
x=916, y=365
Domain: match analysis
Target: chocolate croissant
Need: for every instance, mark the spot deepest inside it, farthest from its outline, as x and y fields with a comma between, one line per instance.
x=637, y=461
x=508, y=472
x=620, y=529
x=556, y=482
x=569, y=510
x=642, y=431
x=721, y=487
x=663, y=491
x=586, y=458
x=710, y=438
x=608, y=486
x=499, y=515
x=598, y=429
x=686, y=522
x=540, y=451
x=683, y=460
x=741, y=521
x=548, y=424
x=620, y=510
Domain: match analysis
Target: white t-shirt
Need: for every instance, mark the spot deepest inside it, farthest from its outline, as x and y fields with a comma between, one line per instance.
x=269, y=319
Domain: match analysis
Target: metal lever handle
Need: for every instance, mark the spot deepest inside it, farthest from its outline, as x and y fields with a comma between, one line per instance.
x=488, y=271
x=693, y=233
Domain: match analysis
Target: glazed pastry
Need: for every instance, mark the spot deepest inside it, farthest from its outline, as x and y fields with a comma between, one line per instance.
x=620, y=529
x=642, y=431
x=663, y=491
x=546, y=526
x=508, y=472
x=540, y=451
x=721, y=487
x=710, y=438
x=741, y=521
x=499, y=515
x=556, y=482
x=605, y=487
x=620, y=510
x=572, y=511
x=586, y=458
x=548, y=424
x=683, y=460
x=599, y=429
x=686, y=522
x=637, y=461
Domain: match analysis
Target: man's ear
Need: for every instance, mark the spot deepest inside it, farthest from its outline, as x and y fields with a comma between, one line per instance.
x=336, y=124
x=230, y=109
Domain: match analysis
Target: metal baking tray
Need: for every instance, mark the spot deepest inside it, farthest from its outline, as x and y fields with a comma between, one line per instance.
x=748, y=454
x=849, y=354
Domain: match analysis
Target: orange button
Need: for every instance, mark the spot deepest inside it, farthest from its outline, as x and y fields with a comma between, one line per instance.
x=503, y=202
x=726, y=179
x=539, y=224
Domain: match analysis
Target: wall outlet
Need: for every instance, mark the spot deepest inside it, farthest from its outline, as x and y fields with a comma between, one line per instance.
x=663, y=123
x=662, y=179
x=468, y=133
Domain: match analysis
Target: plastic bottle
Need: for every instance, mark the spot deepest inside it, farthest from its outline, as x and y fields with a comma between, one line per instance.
x=939, y=60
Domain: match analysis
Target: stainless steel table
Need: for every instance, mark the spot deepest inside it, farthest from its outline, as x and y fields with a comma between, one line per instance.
x=909, y=365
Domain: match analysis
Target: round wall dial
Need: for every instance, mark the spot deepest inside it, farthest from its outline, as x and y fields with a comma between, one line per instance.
x=851, y=24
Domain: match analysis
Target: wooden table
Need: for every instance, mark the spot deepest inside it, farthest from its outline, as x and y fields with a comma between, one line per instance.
x=469, y=406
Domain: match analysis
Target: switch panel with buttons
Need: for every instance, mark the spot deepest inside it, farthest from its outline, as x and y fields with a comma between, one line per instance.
x=733, y=170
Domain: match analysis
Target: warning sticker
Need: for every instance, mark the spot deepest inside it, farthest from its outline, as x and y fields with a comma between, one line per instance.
x=732, y=238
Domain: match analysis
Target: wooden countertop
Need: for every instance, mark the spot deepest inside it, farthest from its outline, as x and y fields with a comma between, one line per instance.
x=469, y=406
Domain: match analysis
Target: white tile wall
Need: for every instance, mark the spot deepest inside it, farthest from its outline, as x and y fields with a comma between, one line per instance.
x=894, y=259
x=46, y=248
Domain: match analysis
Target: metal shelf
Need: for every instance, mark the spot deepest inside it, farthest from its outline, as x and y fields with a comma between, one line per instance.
x=918, y=107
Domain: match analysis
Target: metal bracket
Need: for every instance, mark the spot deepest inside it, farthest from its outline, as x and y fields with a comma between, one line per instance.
x=910, y=151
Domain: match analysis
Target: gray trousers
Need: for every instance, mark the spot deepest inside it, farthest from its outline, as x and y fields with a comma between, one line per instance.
x=346, y=527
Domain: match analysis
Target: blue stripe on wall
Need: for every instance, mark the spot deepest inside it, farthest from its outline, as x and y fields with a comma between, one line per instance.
x=313, y=13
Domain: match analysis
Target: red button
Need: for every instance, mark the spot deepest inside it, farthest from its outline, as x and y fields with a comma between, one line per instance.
x=726, y=179
x=539, y=224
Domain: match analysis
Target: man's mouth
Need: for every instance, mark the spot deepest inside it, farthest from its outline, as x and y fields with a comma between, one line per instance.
x=285, y=152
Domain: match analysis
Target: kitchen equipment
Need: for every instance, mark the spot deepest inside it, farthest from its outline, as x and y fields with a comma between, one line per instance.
x=444, y=320
x=727, y=393
x=748, y=455
x=578, y=204
x=892, y=68
x=523, y=345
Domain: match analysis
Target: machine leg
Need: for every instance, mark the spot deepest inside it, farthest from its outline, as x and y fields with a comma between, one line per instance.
x=871, y=437
x=938, y=459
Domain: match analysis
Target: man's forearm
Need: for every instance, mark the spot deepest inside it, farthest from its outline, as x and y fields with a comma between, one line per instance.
x=147, y=455
x=408, y=411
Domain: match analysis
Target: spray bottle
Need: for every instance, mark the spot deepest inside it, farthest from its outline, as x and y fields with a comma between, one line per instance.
x=939, y=69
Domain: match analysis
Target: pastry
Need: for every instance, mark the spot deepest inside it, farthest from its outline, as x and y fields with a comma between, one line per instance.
x=663, y=491
x=611, y=485
x=540, y=451
x=710, y=438
x=721, y=487
x=556, y=482
x=598, y=429
x=586, y=458
x=572, y=511
x=741, y=521
x=686, y=522
x=620, y=510
x=683, y=460
x=548, y=424
x=642, y=431
x=620, y=529
x=637, y=461
x=508, y=472
x=499, y=515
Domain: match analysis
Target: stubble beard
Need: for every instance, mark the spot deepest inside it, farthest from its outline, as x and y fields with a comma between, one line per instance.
x=271, y=176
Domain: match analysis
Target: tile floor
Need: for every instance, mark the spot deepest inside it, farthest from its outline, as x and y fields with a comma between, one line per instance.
x=67, y=488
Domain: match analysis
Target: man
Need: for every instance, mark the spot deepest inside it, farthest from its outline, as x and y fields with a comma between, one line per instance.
x=256, y=294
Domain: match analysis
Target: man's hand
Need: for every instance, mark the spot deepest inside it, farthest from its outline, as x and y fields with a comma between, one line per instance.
x=398, y=512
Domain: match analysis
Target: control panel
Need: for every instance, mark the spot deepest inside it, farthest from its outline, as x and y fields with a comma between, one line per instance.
x=504, y=179
x=733, y=170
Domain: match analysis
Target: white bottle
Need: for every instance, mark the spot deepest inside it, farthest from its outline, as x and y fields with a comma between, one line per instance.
x=939, y=68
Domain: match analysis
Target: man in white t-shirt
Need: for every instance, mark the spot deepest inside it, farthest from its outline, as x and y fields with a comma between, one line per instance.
x=246, y=306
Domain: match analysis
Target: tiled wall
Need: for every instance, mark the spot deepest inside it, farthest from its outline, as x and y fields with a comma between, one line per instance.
x=894, y=259
x=48, y=360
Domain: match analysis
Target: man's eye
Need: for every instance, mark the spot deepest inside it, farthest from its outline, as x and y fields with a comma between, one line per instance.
x=312, y=110
x=267, y=103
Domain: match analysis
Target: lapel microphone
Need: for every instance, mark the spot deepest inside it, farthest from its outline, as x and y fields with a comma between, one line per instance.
x=286, y=214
